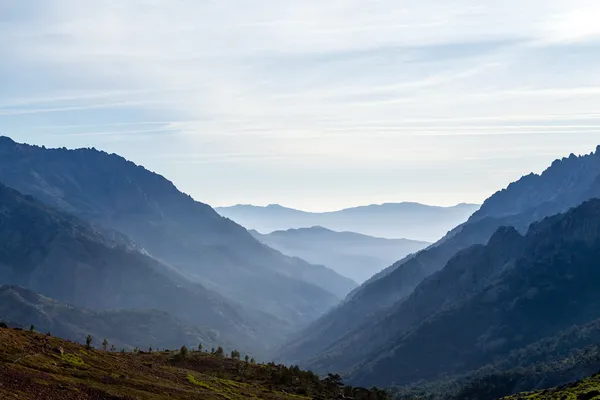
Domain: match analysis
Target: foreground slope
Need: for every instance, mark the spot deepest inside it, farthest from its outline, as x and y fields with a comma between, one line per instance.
x=122, y=328
x=117, y=194
x=566, y=183
x=390, y=220
x=350, y=254
x=35, y=366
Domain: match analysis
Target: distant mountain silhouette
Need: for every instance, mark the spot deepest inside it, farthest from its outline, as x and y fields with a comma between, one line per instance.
x=122, y=328
x=567, y=183
x=350, y=254
x=391, y=220
x=116, y=194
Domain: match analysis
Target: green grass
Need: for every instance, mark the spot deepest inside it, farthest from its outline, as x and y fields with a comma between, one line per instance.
x=73, y=360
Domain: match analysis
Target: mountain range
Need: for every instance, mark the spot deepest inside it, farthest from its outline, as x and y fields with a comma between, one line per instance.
x=351, y=254
x=104, y=233
x=391, y=220
x=380, y=331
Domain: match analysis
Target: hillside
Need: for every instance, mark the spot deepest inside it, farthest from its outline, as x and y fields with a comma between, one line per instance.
x=322, y=343
x=123, y=328
x=351, y=254
x=391, y=220
x=491, y=300
x=67, y=259
x=116, y=194
x=36, y=366
x=585, y=389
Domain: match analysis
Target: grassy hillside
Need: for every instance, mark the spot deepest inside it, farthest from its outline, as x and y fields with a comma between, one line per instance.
x=586, y=389
x=38, y=366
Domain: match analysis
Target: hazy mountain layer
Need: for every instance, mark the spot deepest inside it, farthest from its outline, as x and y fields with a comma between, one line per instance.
x=391, y=220
x=350, y=254
x=62, y=257
x=117, y=194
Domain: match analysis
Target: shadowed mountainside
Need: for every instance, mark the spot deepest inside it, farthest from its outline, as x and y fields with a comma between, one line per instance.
x=116, y=194
x=350, y=324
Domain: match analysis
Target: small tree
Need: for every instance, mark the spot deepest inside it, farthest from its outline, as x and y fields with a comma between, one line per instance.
x=88, y=342
x=220, y=352
x=150, y=349
x=112, y=348
x=199, y=346
x=183, y=352
x=252, y=361
x=246, y=358
x=104, y=344
x=32, y=328
x=212, y=351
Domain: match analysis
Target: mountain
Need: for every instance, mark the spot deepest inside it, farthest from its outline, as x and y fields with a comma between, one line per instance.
x=571, y=355
x=390, y=220
x=350, y=254
x=65, y=258
x=38, y=366
x=493, y=299
x=122, y=328
x=566, y=183
x=116, y=194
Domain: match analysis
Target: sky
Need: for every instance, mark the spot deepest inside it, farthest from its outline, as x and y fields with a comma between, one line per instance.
x=312, y=104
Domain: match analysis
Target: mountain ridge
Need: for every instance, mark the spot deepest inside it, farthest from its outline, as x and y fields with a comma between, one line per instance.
x=112, y=192
x=378, y=297
x=388, y=220
x=351, y=254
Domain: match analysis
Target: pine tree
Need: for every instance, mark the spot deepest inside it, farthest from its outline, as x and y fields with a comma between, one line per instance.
x=183, y=351
x=88, y=342
x=220, y=352
x=246, y=358
x=104, y=344
x=200, y=347
x=32, y=328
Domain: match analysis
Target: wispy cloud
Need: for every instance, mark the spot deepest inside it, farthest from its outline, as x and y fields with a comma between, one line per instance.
x=262, y=97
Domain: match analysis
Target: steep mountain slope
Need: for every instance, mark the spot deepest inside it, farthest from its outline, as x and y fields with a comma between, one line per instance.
x=571, y=355
x=390, y=220
x=65, y=258
x=494, y=299
x=350, y=254
x=122, y=328
x=379, y=296
x=117, y=194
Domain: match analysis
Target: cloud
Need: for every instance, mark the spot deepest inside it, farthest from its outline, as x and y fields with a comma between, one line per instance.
x=380, y=82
